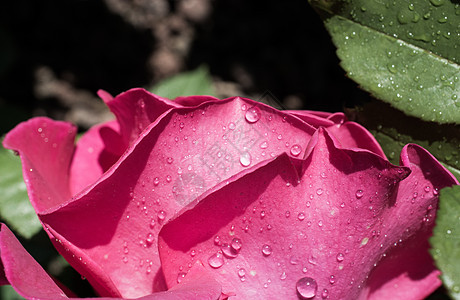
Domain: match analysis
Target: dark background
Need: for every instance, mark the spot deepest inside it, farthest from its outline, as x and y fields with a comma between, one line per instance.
x=55, y=55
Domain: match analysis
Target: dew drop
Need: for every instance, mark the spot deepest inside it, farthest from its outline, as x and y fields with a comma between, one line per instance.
x=296, y=150
x=332, y=279
x=266, y=250
x=231, y=126
x=427, y=189
x=236, y=244
x=180, y=276
x=217, y=240
x=241, y=272
x=216, y=260
x=283, y=276
x=161, y=215
x=325, y=294
x=156, y=181
x=228, y=251
x=340, y=257
x=169, y=160
x=264, y=145
x=245, y=159
x=301, y=216
x=125, y=259
x=307, y=287
x=150, y=239
x=319, y=191
x=359, y=194
x=252, y=114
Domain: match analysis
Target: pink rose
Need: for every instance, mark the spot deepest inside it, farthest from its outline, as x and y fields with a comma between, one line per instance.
x=211, y=198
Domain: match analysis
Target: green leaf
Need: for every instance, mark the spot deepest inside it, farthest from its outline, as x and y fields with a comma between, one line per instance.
x=196, y=82
x=8, y=293
x=15, y=208
x=393, y=129
x=405, y=53
x=445, y=241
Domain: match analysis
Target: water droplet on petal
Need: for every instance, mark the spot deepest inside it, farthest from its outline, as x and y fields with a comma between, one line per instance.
x=427, y=189
x=216, y=260
x=325, y=294
x=264, y=145
x=228, y=251
x=340, y=257
x=231, y=126
x=252, y=114
x=296, y=150
x=169, y=160
x=301, y=216
x=150, y=239
x=319, y=191
x=241, y=272
x=359, y=194
x=283, y=276
x=266, y=250
x=332, y=279
x=236, y=244
x=307, y=287
x=161, y=215
x=180, y=276
x=245, y=159
x=156, y=181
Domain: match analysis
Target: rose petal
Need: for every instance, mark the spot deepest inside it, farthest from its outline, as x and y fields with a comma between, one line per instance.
x=45, y=147
x=22, y=271
x=353, y=135
x=16, y=262
x=196, y=284
x=413, y=274
x=290, y=229
x=350, y=134
x=92, y=156
x=135, y=110
x=114, y=225
x=312, y=119
x=193, y=100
